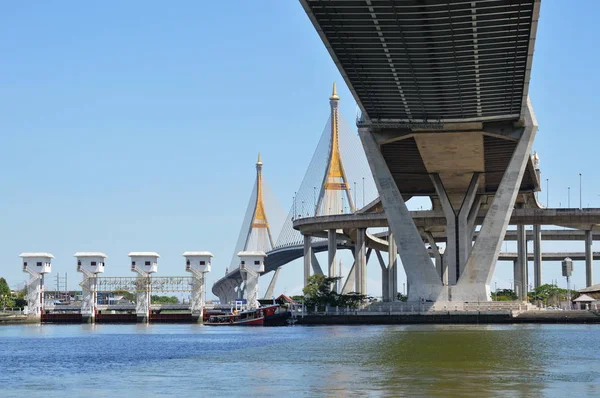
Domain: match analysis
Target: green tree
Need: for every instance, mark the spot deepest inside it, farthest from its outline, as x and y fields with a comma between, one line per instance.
x=4, y=288
x=6, y=299
x=549, y=294
x=318, y=293
x=504, y=295
x=154, y=299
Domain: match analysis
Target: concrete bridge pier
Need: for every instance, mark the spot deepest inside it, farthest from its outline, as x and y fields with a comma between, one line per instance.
x=360, y=262
x=517, y=279
x=457, y=208
x=474, y=283
x=392, y=268
x=589, y=259
x=537, y=256
x=331, y=255
x=440, y=267
x=307, y=258
x=423, y=278
x=522, y=262
x=385, y=277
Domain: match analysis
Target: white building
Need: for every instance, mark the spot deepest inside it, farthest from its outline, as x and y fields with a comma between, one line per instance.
x=36, y=265
x=90, y=264
x=252, y=264
x=144, y=264
x=198, y=263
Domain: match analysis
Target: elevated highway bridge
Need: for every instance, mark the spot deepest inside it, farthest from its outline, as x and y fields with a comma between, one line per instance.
x=443, y=90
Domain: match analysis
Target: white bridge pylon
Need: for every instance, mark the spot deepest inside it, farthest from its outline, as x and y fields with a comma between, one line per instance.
x=331, y=185
x=335, y=187
x=255, y=236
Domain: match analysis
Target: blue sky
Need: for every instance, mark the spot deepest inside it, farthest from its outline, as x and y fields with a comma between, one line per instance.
x=135, y=126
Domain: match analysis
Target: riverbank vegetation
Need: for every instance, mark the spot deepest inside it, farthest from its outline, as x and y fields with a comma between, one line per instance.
x=318, y=293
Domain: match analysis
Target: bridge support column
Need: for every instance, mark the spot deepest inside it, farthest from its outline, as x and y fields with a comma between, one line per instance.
x=537, y=255
x=392, y=267
x=458, y=229
x=522, y=262
x=589, y=259
x=439, y=260
x=308, y=253
x=517, y=278
x=360, y=258
x=349, y=284
x=425, y=284
x=385, y=278
x=474, y=284
x=331, y=253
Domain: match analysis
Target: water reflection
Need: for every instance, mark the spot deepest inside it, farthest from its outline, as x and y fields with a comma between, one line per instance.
x=458, y=361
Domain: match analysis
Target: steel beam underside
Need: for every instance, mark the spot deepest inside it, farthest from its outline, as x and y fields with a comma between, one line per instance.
x=431, y=60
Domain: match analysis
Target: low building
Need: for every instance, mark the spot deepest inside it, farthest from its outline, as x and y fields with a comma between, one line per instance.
x=589, y=298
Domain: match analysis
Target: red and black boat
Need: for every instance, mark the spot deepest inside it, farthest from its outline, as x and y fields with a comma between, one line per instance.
x=270, y=315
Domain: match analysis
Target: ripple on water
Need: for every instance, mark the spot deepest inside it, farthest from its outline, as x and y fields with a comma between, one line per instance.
x=419, y=360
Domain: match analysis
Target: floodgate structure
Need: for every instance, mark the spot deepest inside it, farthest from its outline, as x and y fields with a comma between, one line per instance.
x=324, y=219
x=442, y=88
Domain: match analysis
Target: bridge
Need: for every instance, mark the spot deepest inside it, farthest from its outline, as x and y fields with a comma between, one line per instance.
x=304, y=234
x=443, y=91
x=330, y=186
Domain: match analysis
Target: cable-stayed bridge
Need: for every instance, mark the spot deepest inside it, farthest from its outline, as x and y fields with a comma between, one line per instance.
x=443, y=89
x=337, y=181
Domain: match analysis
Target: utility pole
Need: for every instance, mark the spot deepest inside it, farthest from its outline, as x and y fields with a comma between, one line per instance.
x=547, y=192
x=569, y=197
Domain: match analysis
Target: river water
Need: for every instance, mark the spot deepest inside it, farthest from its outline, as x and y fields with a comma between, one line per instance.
x=195, y=360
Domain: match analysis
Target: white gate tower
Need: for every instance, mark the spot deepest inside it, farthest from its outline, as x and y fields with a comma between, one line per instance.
x=90, y=264
x=36, y=265
x=252, y=263
x=198, y=263
x=144, y=264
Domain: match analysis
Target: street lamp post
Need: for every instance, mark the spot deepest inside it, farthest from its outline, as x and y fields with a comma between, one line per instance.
x=355, y=203
x=569, y=197
x=580, y=206
x=363, y=191
x=547, y=192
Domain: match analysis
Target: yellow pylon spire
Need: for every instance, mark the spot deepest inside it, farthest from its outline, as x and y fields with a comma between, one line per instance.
x=334, y=95
x=260, y=216
x=335, y=169
x=335, y=179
